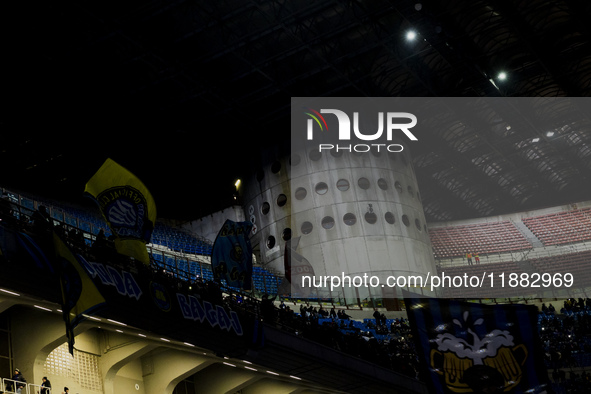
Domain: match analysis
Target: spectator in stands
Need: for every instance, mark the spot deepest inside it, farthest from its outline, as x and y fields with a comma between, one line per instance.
x=76, y=238
x=303, y=310
x=20, y=381
x=376, y=315
x=268, y=308
x=313, y=312
x=7, y=211
x=66, y=390
x=45, y=385
x=469, y=258
x=476, y=258
x=544, y=308
x=342, y=315
x=333, y=313
x=41, y=219
x=102, y=248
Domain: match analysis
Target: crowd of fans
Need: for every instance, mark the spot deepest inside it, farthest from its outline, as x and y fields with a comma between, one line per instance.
x=566, y=338
x=389, y=346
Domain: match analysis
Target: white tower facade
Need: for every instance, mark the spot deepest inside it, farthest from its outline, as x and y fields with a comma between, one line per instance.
x=351, y=215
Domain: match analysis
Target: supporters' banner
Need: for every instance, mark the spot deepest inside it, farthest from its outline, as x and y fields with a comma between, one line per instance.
x=18, y=247
x=80, y=295
x=231, y=256
x=135, y=295
x=296, y=266
x=127, y=206
x=470, y=347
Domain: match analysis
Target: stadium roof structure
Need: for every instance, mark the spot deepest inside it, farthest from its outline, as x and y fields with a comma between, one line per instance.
x=174, y=89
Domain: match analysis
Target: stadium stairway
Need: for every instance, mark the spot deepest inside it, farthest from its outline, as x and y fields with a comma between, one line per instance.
x=529, y=236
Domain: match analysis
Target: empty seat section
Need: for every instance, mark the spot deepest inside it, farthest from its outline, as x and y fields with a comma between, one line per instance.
x=207, y=272
x=482, y=238
x=180, y=241
x=562, y=227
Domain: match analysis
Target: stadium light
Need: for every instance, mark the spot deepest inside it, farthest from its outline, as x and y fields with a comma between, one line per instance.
x=116, y=322
x=10, y=292
x=502, y=76
x=411, y=35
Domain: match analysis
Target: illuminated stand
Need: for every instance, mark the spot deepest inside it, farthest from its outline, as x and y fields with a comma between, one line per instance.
x=354, y=213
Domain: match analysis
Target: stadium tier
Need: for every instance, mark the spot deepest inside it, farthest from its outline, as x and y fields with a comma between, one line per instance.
x=482, y=238
x=579, y=264
x=561, y=228
x=180, y=241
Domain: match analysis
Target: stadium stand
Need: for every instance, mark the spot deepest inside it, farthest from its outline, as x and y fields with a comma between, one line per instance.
x=180, y=241
x=579, y=264
x=482, y=238
x=389, y=344
x=561, y=228
x=361, y=339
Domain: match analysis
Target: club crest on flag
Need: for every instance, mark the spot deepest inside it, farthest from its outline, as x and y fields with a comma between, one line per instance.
x=125, y=209
x=470, y=347
x=493, y=353
x=127, y=206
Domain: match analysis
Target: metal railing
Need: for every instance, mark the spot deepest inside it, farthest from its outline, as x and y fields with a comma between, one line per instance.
x=10, y=386
x=37, y=389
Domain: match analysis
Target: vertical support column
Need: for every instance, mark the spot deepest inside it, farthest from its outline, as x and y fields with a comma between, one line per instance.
x=162, y=372
x=118, y=352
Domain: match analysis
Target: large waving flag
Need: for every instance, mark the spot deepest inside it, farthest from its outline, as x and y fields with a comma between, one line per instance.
x=80, y=295
x=231, y=256
x=127, y=206
x=465, y=346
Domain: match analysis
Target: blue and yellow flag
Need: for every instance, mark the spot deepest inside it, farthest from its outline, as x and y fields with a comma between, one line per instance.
x=80, y=295
x=127, y=206
x=467, y=347
x=231, y=256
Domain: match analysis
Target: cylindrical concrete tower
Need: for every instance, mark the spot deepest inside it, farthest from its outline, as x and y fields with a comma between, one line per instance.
x=348, y=215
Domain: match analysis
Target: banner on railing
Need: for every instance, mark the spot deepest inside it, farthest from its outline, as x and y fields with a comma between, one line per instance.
x=134, y=294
